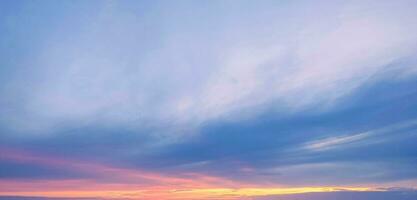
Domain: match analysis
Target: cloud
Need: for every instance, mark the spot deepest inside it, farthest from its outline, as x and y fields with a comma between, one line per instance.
x=401, y=195
x=368, y=137
x=267, y=149
x=120, y=67
x=266, y=93
x=346, y=195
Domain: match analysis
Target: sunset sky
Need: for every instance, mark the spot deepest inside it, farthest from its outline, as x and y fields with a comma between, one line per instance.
x=203, y=100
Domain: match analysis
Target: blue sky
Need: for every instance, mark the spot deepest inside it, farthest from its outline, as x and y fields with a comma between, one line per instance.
x=214, y=94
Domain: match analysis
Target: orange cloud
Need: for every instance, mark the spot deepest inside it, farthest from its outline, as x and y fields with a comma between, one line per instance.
x=85, y=188
x=109, y=182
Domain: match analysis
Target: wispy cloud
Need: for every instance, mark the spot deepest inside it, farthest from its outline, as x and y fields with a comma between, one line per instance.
x=372, y=136
x=109, y=72
x=206, y=98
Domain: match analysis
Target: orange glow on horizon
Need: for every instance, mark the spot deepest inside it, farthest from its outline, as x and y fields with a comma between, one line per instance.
x=110, y=182
x=177, y=194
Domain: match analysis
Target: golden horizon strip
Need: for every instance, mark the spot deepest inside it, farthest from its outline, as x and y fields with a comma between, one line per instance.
x=186, y=194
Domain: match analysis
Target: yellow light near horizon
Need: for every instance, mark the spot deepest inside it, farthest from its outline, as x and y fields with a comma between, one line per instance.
x=250, y=192
x=208, y=193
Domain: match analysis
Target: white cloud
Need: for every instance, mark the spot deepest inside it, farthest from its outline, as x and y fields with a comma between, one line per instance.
x=121, y=71
x=365, y=138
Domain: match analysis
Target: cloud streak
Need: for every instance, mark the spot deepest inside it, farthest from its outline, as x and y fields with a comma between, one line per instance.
x=207, y=99
x=343, y=141
x=84, y=80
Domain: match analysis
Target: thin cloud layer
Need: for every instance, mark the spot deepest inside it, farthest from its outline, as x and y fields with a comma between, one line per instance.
x=226, y=100
x=157, y=65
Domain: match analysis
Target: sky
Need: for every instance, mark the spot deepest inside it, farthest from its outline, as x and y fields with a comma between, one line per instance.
x=198, y=100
